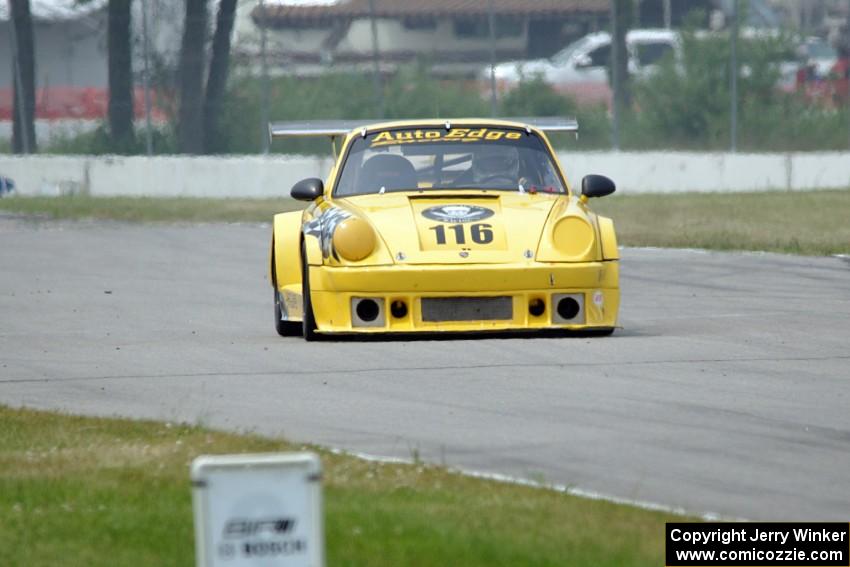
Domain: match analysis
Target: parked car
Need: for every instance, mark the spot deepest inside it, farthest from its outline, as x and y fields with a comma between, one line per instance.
x=818, y=54
x=809, y=73
x=581, y=68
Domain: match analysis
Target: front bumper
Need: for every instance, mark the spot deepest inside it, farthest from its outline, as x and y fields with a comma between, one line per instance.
x=336, y=290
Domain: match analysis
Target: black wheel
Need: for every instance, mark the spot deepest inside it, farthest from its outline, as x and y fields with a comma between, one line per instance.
x=308, y=323
x=284, y=328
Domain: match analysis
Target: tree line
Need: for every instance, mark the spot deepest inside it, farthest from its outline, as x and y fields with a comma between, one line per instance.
x=201, y=89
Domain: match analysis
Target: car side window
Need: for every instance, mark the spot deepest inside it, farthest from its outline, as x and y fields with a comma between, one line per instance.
x=600, y=56
x=651, y=53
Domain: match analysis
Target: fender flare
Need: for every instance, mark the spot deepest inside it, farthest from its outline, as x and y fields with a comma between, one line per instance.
x=609, y=238
x=285, y=252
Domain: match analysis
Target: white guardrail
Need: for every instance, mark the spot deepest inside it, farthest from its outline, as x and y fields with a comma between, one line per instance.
x=273, y=176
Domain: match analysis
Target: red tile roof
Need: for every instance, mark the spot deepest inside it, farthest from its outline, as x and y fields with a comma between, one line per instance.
x=282, y=14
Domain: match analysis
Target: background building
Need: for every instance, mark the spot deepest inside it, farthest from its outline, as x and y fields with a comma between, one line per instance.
x=453, y=35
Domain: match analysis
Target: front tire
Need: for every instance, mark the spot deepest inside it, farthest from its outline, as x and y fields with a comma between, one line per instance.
x=308, y=325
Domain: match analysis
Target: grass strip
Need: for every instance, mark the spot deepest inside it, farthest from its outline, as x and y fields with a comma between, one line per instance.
x=809, y=222
x=150, y=209
x=93, y=491
x=805, y=222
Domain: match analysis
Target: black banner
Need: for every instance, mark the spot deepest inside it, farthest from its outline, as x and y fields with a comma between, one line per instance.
x=764, y=544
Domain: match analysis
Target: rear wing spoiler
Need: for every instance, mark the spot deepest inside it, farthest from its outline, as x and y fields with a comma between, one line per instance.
x=335, y=128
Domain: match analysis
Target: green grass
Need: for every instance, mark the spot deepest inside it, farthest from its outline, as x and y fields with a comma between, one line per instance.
x=78, y=491
x=149, y=209
x=809, y=222
x=805, y=222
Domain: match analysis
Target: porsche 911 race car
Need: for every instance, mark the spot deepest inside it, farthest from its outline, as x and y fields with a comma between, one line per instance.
x=435, y=226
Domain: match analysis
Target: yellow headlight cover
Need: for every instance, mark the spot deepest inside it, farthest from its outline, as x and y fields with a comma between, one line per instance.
x=354, y=239
x=573, y=236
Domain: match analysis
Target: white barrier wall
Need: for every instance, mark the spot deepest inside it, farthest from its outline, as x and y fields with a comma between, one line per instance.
x=273, y=176
x=167, y=176
x=657, y=172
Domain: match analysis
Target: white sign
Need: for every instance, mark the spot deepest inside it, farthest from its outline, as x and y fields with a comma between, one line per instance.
x=258, y=510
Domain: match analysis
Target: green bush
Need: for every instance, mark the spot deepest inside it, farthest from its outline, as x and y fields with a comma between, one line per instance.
x=98, y=142
x=411, y=93
x=535, y=97
x=334, y=95
x=687, y=104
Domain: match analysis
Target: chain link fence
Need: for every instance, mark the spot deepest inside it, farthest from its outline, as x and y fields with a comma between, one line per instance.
x=394, y=59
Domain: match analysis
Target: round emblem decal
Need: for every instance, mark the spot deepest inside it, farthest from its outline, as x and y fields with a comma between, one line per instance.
x=457, y=213
x=598, y=298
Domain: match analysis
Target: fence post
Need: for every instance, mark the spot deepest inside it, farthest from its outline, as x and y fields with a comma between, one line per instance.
x=733, y=79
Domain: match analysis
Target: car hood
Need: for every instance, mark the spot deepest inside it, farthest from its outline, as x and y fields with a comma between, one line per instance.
x=515, y=69
x=457, y=227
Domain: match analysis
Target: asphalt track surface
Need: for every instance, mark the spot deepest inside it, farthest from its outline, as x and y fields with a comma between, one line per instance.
x=726, y=391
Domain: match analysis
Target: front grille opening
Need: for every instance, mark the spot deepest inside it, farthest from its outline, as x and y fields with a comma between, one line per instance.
x=435, y=309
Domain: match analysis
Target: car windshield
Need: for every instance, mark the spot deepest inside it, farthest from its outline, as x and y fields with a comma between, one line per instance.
x=501, y=159
x=561, y=57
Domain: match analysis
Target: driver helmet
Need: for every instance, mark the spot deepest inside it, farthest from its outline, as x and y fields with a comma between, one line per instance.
x=491, y=160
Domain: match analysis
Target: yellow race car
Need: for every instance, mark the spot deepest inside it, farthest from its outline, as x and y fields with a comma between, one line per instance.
x=437, y=225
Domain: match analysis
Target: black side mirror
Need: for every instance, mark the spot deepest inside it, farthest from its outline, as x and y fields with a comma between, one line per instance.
x=308, y=189
x=596, y=186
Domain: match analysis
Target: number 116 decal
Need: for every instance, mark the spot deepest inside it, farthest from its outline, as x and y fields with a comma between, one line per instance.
x=479, y=233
